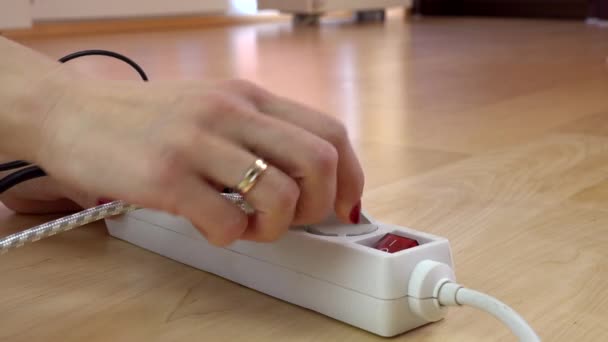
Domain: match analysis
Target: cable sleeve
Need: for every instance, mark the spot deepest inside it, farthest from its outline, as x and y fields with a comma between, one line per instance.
x=87, y=216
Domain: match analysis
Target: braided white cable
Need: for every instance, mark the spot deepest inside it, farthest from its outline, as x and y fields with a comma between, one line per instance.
x=83, y=218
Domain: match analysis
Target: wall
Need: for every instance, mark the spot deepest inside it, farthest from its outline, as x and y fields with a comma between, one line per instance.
x=21, y=13
x=15, y=14
x=95, y=9
x=599, y=9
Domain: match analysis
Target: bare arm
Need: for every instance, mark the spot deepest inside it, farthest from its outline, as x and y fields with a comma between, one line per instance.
x=29, y=87
x=171, y=146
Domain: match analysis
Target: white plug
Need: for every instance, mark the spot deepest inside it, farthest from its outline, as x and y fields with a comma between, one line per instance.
x=423, y=289
x=432, y=288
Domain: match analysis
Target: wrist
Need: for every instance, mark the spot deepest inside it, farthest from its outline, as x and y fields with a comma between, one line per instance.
x=24, y=131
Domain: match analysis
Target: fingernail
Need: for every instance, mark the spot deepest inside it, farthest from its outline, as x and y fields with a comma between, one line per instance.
x=103, y=201
x=355, y=213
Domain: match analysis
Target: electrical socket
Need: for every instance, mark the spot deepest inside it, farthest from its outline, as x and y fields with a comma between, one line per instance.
x=340, y=275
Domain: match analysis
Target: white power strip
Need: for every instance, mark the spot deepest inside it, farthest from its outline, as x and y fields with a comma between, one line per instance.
x=378, y=277
x=329, y=268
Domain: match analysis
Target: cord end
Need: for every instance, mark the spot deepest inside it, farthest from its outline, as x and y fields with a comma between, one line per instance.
x=424, y=285
x=448, y=294
x=432, y=288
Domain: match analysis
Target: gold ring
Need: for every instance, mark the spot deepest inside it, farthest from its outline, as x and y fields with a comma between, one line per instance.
x=251, y=176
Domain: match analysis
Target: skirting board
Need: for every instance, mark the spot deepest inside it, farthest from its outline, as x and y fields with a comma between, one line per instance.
x=44, y=10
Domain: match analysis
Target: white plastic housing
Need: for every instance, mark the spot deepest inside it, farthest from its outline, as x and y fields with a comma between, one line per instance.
x=316, y=6
x=340, y=276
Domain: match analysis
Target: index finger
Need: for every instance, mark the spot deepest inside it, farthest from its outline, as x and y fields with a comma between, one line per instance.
x=350, y=178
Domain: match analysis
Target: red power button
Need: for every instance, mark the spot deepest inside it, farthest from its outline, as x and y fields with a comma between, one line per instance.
x=392, y=243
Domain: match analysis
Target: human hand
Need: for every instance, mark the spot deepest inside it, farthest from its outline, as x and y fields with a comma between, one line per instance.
x=173, y=146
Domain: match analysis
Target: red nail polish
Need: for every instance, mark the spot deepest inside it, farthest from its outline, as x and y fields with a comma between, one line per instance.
x=103, y=201
x=355, y=213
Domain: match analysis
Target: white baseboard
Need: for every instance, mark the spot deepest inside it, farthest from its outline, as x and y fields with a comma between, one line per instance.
x=44, y=10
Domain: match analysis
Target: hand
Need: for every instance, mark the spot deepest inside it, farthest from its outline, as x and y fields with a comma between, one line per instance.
x=172, y=147
x=42, y=196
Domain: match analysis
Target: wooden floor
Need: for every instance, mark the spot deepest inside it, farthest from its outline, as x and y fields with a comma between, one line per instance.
x=492, y=133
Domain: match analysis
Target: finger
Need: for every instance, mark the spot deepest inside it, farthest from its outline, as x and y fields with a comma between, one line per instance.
x=274, y=196
x=350, y=178
x=279, y=194
x=220, y=221
x=303, y=156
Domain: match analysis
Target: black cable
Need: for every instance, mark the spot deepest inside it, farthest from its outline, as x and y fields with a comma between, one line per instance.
x=106, y=53
x=20, y=176
x=33, y=171
x=13, y=165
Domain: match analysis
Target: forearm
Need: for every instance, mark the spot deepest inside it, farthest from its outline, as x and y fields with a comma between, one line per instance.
x=29, y=86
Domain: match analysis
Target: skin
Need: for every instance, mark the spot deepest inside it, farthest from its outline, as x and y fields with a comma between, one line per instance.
x=172, y=146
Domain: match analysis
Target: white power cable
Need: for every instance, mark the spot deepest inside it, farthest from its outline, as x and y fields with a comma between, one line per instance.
x=451, y=294
x=432, y=288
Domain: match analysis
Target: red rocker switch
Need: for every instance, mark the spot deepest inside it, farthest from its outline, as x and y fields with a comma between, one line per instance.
x=392, y=243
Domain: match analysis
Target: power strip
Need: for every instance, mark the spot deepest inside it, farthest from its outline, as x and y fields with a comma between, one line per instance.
x=331, y=268
x=378, y=277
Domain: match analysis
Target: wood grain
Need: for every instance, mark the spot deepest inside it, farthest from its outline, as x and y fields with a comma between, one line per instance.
x=492, y=133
